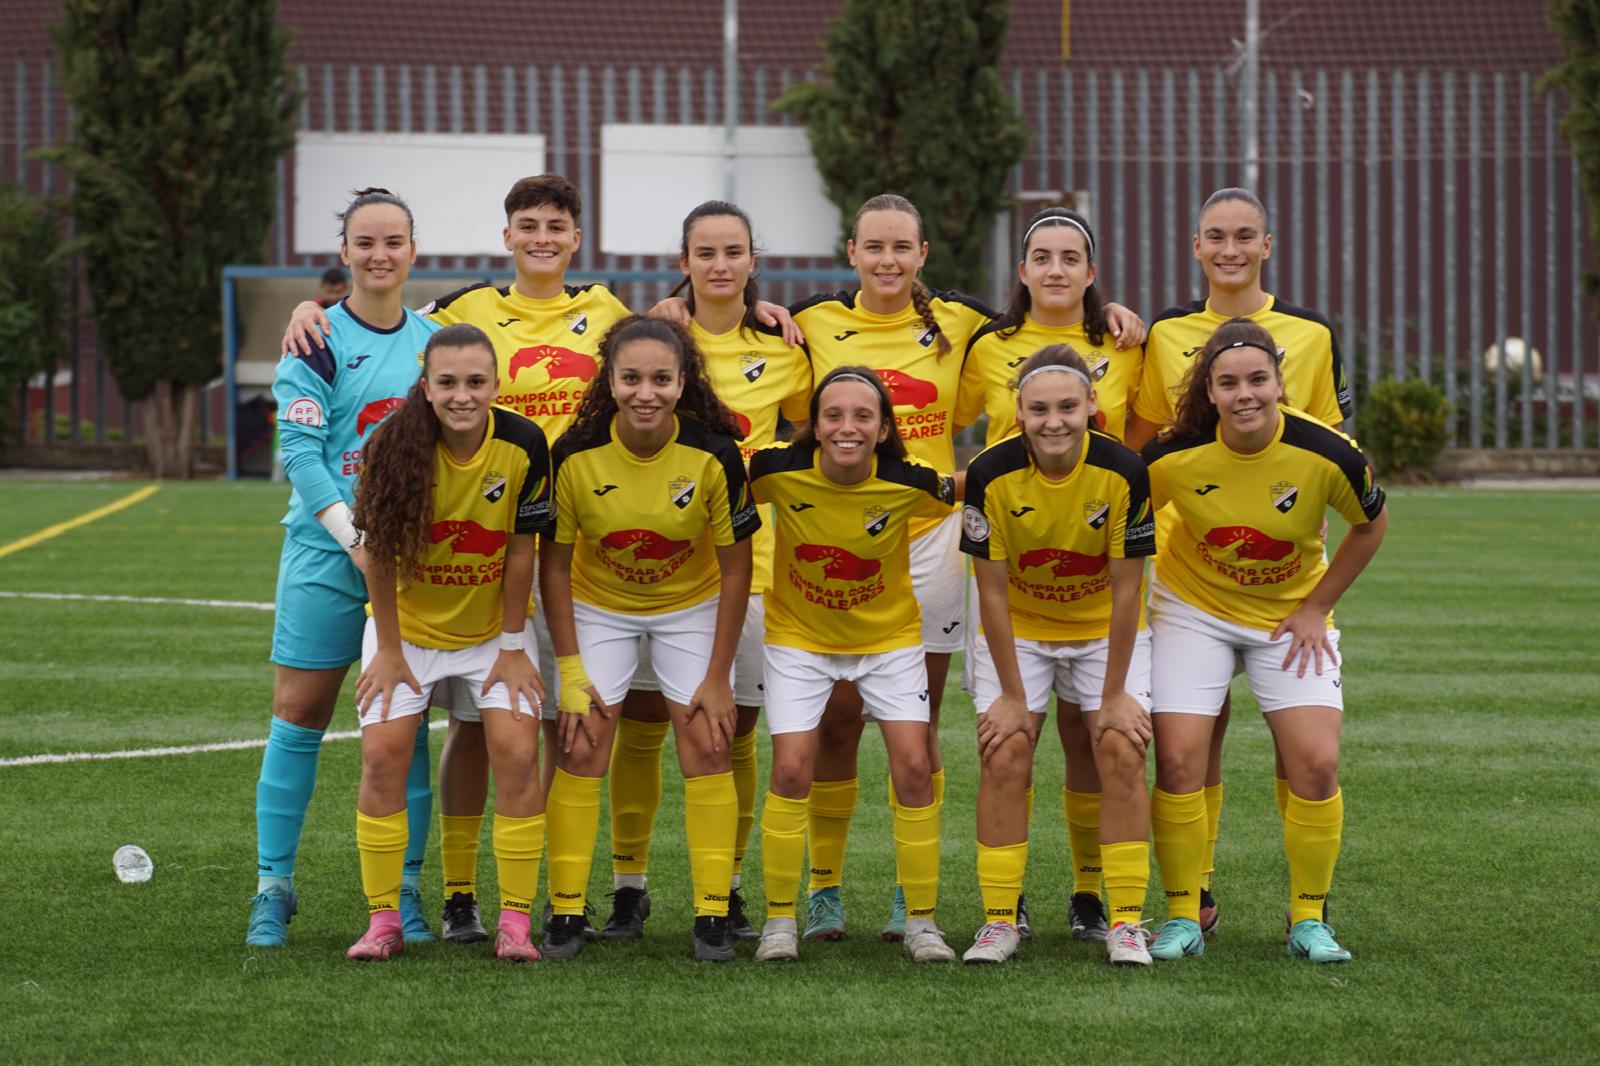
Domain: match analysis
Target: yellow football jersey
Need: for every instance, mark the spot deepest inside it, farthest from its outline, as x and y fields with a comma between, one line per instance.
x=549, y=350
x=647, y=530
x=843, y=562
x=757, y=375
x=1242, y=539
x=904, y=353
x=1057, y=537
x=1313, y=371
x=988, y=380
x=458, y=601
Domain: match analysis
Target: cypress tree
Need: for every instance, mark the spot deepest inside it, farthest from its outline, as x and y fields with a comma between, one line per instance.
x=33, y=292
x=911, y=103
x=182, y=112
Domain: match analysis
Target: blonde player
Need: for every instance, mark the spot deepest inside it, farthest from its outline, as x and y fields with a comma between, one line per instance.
x=1056, y=300
x=651, y=547
x=841, y=608
x=1232, y=242
x=1058, y=522
x=451, y=495
x=1243, y=576
x=759, y=376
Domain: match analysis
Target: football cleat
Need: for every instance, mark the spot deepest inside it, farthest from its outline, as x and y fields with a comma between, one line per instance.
x=711, y=939
x=995, y=942
x=1208, y=912
x=1179, y=937
x=629, y=908
x=564, y=939
x=271, y=912
x=824, y=915
x=589, y=931
x=1024, y=927
x=412, y=924
x=1311, y=939
x=924, y=943
x=894, y=930
x=461, y=922
x=778, y=942
x=739, y=927
x=1086, y=916
x=380, y=942
x=1128, y=945
x=514, y=945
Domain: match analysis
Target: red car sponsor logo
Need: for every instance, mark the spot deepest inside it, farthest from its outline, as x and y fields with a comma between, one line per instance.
x=646, y=544
x=466, y=537
x=744, y=424
x=376, y=412
x=837, y=563
x=1067, y=564
x=558, y=362
x=907, y=391
x=1249, y=543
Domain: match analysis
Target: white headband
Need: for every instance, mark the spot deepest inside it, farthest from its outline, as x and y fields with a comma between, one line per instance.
x=854, y=377
x=1036, y=371
x=1062, y=220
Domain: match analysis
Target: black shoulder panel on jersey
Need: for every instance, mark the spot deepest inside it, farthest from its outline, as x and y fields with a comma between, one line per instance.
x=917, y=476
x=1111, y=454
x=991, y=326
x=567, y=446
x=1284, y=307
x=517, y=429
x=766, y=330
x=776, y=460
x=950, y=296
x=1193, y=307
x=575, y=291
x=1310, y=435
x=321, y=361
x=846, y=298
x=449, y=298
x=1003, y=458
x=1158, y=448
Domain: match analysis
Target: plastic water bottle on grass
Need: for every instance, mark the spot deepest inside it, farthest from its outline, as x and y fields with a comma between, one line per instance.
x=132, y=864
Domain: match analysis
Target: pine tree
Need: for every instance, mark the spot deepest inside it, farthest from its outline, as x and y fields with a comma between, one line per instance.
x=1578, y=24
x=182, y=112
x=911, y=103
x=33, y=292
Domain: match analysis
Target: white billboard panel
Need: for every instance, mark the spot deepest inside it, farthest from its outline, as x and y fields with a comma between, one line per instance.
x=652, y=175
x=455, y=184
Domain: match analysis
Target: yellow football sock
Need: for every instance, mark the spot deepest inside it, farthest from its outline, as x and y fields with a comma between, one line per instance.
x=1178, y=824
x=1280, y=789
x=937, y=780
x=573, y=819
x=1083, y=834
x=1127, y=879
x=458, y=852
x=382, y=843
x=518, y=850
x=1029, y=796
x=831, y=806
x=710, y=818
x=1311, y=832
x=635, y=792
x=783, y=848
x=916, y=856
x=1000, y=880
x=1213, y=819
x=743, y=754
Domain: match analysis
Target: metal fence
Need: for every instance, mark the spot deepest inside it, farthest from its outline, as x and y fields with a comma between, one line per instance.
x=1431, y=214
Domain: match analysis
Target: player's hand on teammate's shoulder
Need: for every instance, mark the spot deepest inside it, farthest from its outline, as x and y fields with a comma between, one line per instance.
x=307, y=326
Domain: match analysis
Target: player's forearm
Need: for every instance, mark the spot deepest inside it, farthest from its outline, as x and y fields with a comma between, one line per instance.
x=1126, y=580
x=518, y=581
x=995, y=614
x=733, y=600
x=1357, y=549
x=385, y=606
x=555, y=590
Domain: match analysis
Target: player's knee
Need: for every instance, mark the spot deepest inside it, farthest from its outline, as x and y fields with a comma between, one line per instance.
x=1180, y=770
x=791, y=776
x=1117, y=758
x=1011, y=763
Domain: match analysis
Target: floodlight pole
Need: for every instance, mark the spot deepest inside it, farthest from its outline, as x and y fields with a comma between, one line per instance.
x=1250, y=97
x=730, y=95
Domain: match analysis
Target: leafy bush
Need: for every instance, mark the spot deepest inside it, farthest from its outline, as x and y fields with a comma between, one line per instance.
x=33, y=292
x=1403, y=428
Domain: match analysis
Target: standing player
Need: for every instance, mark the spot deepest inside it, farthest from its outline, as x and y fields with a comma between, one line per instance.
x=759, y=376
x=1232, y=241
x=450, y=499
x=329, y=399
x=1055, y=301
x=840, y=608
x=651, y=547
x=1058, y=523
x=1243, y=576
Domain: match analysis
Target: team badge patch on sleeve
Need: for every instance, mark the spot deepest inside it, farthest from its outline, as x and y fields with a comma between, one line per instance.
x=303, y=411
x=974, y=523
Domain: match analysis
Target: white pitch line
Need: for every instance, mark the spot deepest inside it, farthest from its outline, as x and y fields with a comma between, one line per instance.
x=246, y=604
x=153, y=753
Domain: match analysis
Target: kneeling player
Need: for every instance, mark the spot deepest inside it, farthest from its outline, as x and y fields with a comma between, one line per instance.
x=1058, y=522
x=450, y=498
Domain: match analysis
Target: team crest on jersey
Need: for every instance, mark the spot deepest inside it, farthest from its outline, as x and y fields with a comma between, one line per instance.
x=925, y=338
x=303, y=411
x=1283, y=496
x=874, y=520
x=578, y=323
x=493, y=486
x=1098, y=368
x=680, y=490
x=1095, y=512
x=752, y=365
x=975, y=524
